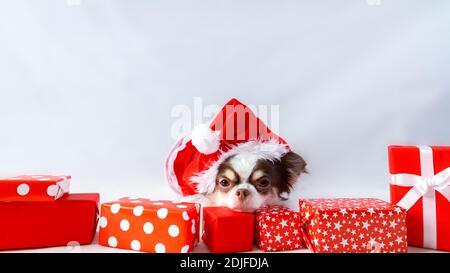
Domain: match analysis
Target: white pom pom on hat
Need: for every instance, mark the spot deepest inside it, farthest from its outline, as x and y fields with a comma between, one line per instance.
x=205, y=140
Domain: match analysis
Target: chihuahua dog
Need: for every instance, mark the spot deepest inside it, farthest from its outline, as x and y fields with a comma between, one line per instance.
x=246, y=181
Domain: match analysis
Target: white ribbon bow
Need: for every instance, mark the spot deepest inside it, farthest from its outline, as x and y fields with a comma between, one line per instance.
x=425, y=186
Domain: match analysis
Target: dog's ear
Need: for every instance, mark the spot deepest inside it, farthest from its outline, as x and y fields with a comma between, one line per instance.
x=293, y=165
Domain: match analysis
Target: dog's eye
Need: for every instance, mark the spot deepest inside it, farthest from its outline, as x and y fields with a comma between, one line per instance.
x=263, y=183
x=224, y=183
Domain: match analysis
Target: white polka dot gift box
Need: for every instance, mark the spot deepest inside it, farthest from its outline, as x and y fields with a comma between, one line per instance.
x=278, y=229
x=150, y=226
x=33, y=188
x=353, y=225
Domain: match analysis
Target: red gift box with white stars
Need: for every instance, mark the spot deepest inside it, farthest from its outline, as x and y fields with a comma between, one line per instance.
x=353, y=225
x=278, y=229
x=34, y=188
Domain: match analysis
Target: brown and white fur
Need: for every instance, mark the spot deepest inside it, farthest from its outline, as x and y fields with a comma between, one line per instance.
x=247, y=181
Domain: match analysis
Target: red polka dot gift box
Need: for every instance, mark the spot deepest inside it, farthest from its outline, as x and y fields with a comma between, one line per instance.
x=278, y=229
x=353, y=225
x=34, y=188
x=69, y=221
x=150, y=226
x=225, y=230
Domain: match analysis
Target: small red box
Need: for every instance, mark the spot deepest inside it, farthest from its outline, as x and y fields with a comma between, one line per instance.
x=278, y=229
x=353, y=225
x=70, y=219
x=226, y=230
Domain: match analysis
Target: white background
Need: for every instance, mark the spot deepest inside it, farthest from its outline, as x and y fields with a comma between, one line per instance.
x=87, y=86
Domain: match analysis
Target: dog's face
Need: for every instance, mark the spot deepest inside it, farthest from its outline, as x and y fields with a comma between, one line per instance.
x=246, y=182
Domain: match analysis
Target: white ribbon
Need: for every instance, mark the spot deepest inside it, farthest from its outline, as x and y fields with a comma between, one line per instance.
x=425, y=186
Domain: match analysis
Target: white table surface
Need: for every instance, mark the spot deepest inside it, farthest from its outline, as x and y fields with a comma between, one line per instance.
x=201, y=248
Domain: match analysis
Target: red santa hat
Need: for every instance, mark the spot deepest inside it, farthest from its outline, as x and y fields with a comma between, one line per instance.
x=193, y=162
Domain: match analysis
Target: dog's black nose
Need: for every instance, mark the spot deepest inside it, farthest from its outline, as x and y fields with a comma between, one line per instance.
x=242, y=194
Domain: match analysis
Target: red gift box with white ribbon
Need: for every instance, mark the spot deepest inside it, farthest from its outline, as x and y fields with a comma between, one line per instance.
x=278, y=229
x=33, y=188
x=420, y=183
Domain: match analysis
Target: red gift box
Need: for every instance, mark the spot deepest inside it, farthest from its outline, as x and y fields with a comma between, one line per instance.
x=72, y=218
x=150, y=226
x=420, y=183
x=34, y=188
x=226, y=230
x=353, y=225
x=278, y=229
